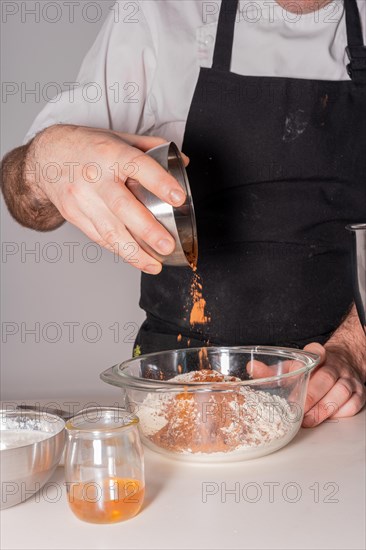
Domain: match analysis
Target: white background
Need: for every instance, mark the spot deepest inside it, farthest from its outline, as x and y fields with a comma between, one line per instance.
x=35, y=289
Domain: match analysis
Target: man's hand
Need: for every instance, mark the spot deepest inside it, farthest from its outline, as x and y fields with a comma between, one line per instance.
x=336, y=387
x=82, y=172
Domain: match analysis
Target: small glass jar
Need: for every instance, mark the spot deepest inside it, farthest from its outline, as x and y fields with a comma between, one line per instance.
x=104, y=465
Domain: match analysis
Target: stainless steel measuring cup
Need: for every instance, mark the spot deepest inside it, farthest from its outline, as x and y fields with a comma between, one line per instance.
x=179, y=221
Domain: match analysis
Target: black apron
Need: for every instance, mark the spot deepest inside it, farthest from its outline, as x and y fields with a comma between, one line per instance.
x=277, y=170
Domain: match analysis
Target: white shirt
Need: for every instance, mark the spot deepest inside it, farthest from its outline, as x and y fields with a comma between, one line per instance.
x=139, y=76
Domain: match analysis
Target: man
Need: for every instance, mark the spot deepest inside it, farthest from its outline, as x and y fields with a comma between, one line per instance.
x=271, y=110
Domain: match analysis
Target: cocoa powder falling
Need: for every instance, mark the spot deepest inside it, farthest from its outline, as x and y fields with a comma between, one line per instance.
x=198, y=314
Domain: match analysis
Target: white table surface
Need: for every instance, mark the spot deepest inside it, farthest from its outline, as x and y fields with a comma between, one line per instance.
x=309, y=495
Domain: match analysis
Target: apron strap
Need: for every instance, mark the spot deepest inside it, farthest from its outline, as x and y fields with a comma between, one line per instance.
x=356, y=50
x=225, y=35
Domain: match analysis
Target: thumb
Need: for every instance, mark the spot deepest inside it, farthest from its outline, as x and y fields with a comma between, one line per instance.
x=318, y=349
x=144, y=143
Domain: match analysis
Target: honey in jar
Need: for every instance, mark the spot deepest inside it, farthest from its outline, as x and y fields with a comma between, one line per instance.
x=104, y=465
x=113, y=500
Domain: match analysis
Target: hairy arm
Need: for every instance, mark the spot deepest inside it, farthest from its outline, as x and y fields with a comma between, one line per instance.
x=27, y=203
x=349, y=341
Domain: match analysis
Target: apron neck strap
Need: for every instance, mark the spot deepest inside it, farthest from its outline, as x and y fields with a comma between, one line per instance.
x=353, y=23
x=356, y=50
x=225, y=35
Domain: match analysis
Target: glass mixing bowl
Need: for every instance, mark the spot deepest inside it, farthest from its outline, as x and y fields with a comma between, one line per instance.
x=216, y=403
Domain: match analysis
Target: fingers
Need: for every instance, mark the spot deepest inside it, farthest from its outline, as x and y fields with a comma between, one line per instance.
x=328, y=404
x=353, y=405
x=186, y=160
x=318, y=349
x=125, y=250
x=145, y=143
x=152, y=176
x=139, y=221
x=115, y=237
x=108, y=231
x=315, y=394
x=344, y=396
x=257, y=369
x=320, y=384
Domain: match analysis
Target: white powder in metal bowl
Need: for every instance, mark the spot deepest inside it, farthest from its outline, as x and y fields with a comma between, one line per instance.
x=10, y=439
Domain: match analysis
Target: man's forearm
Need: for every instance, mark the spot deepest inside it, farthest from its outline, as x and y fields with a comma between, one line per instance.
x=349, y=339
x=25, y=200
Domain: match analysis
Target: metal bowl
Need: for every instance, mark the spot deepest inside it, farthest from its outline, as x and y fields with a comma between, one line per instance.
x=257, y=413
x=179, y=221
x=25, y=468
x=359, y=268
